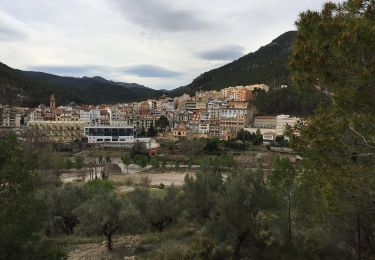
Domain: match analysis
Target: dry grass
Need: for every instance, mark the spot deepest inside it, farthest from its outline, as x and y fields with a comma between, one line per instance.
x=171, y=243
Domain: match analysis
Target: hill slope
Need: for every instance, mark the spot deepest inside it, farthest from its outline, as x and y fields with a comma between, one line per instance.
x=267, y=65
x=32, y=88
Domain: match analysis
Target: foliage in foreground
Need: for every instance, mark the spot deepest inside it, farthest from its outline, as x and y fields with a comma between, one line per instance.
x=21, y=212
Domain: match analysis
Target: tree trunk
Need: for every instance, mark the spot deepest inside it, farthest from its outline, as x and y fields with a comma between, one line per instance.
x=289, y=221
x=359, y=238
x=236, y=253
x=109, y=242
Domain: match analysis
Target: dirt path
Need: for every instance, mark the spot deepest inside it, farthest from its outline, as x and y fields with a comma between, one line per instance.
x=167, y=178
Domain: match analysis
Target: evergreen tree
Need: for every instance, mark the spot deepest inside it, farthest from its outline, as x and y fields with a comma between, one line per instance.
x=162, y=123
x=334, y=52
x=151, y=132
x=126, y=160
x=21, y=211
x=239, y=207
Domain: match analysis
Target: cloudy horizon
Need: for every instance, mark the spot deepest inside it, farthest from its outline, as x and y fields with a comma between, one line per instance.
x=162, y=44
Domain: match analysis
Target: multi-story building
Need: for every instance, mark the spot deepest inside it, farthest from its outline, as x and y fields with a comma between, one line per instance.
x=232, y=120
x=201, y=104
x=10, y=117
x=215, y=104
x=191, y=105
x=145, y=121
x=90, y=115
x=242, y=95
x=68, y=117
x=271, y=126
x=238, y=104
x=57, y=131
x=204, y=128
x=283, y=121
x=168, y=104
x=105, y=117
x=264, y=122
x=239, y=93
x=120, y=118
x=36, y=114
x=194, y=121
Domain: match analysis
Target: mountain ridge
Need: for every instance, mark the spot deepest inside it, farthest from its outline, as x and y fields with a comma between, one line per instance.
x=267, y=65
x=31, y=88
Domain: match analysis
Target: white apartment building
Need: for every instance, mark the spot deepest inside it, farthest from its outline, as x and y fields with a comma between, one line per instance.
x=282, y=121
x=91, y=116
x=204, y=128
x=120, y=118
x=229, y=113
x=10, y=117
x=270, y=131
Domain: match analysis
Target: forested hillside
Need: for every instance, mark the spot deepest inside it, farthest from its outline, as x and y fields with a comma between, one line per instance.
x=33, y=88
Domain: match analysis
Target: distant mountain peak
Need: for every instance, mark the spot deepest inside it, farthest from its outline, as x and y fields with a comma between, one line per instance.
x=36, y=87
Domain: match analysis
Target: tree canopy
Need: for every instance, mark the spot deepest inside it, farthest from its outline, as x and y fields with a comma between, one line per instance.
x=334, y=52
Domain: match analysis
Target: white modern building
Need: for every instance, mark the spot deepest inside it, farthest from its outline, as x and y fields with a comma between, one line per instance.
x=113, y=135
x=109, y=134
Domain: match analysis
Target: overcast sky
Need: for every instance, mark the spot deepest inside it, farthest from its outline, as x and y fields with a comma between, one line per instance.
x=157, y=43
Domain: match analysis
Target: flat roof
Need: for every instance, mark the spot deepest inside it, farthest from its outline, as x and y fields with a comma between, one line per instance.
x=104, y=126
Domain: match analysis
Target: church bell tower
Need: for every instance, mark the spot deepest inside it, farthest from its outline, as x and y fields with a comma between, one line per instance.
x=52, y=102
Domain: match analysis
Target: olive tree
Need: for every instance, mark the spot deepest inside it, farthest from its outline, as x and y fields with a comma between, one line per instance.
x=107, y=214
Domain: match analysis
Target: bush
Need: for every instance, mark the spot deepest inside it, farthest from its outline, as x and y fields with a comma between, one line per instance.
x=141, y=160
x=155, y=163
x=177, y=165
x=145, y=181
x=98, y=187
x=129, y=181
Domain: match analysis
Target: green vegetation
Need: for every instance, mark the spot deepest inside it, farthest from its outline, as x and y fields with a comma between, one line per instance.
x=254, y=138
x=237, y=218
x=334, y=50
x=22, y=212
x=126, y=160
x=289, y=101
x=162, y=123
x=158, y=211
x=106, y=214
x=151, y=131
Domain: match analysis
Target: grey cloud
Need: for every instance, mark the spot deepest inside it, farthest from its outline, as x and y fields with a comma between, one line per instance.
x=151, y=71
x=229, y=52
x=70, y=70
x=158, y=15
x=7, y=33
x=142, y=71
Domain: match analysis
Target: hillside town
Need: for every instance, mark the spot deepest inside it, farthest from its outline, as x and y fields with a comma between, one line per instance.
x=187, y=130
x=208, y=114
